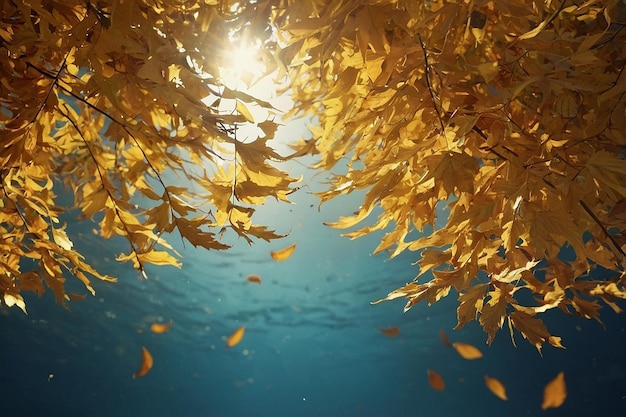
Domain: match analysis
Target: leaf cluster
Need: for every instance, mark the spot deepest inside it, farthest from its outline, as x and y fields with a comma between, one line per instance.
x=122, y=104
x=497, y=125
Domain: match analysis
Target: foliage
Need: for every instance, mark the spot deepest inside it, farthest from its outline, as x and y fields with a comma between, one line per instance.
x=122, y=102
x=503, y=119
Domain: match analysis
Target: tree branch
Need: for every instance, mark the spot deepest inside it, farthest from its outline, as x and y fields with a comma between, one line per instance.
x=604, y=229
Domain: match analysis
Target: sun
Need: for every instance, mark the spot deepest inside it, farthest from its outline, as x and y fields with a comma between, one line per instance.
x=243, y=66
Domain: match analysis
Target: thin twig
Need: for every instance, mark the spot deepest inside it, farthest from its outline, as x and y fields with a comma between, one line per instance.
x=604, y=229
x=429, y=84
x=134, y=249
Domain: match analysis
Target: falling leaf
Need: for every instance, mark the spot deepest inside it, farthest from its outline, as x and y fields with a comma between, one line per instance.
x=161, y=327
x=554, y=393
x=254, y=278
x=444, y=338
x=392, y=331
x=496, y=387
x=146, y=363
x=435, y=380
x=235, y=337
x=282, y=254
x=467, y=351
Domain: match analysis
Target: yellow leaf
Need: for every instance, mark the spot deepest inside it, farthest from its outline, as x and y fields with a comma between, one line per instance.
x=235, y=337
x=161, y=327
x=554, y=393
x=61, y=239
x=15, y=300
x=496, y=387
x=467, y=351
x=533, y=329
x=243, y=110
x=470, y=304
x=283, y=254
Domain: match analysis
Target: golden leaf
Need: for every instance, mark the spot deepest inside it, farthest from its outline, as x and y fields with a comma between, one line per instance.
x=554, y=393
x=161, y=327
x=533, y=329
x=467, y=351
x=496, y=387
x=283, y=254
x=235, y=337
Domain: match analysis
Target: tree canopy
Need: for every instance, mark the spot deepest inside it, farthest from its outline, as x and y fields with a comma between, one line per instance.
x=505, y=120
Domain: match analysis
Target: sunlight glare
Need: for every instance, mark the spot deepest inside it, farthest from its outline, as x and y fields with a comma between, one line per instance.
x=243, y=65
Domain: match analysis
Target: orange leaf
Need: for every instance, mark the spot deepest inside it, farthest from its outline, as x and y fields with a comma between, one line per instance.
x=146, y=363
x=254, y=278
x=161, y=327
x=467, y=351
x=496, y=387
x=444, y=338
x=235, y=337
x=554, y=393
x=435, y=380
x=282, y=254
x=392, y=331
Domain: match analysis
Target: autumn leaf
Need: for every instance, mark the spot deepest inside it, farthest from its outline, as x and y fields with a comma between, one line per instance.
x=392, y=331
x=444, y=338
x=554, y=393
x=235, y=337
x=161, y=327
x=254, y=278
x=467, y=351
x=146, y=364
x=283, y=254
x=496, y=387
x=435, y=380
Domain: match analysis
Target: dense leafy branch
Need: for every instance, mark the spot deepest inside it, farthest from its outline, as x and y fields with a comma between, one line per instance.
x=489, y=136
x=519, y=139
